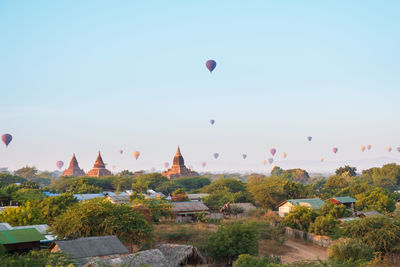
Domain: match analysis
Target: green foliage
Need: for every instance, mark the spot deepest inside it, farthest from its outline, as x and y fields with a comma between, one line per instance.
x=376, y=199
x=276, y=171
x=52, y=207
x=29, y=185
x=246, y=260
x=82, y=185
x=347, y=171
x=26, y=172
x=29, y=214
x=268, y=231
x=350, y=250
x=230, y=184
x=179, y=195
x=300, y=217
x=6, y=179
x=379, y=232
x=268, y=191
x=231, y=240
x=38, y=258
x=219, y=198
x=158, y=208
x=97, y=218
x=335, y=210
x=22, y=195
x=387, y=177
x=297, y=175
x=191, y=183
x=324, y=225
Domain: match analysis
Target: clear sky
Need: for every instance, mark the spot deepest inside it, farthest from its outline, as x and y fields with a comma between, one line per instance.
x=83, y=76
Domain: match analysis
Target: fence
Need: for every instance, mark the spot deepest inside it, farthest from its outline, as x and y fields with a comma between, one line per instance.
x=320, y=240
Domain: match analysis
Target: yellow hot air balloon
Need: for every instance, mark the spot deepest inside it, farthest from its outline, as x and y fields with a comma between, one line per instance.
x=136, y=154
x=389, y=149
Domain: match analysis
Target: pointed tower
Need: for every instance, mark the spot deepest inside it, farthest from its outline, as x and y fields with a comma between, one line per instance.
x=73, y=169
x=178, y=168
x=99, y=168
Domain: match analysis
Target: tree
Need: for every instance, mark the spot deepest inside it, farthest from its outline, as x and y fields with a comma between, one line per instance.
x=29, y=214
x=267, y=191
x=231, y=240
x=179, y=195
x=191, y=183
x=38, y=258
x=276, y=171
x=98, y=217
x=297, y=175
x=52, y=207
x=232, y=185
x=324, y=225
x=376, y=199
x=6, y=179
x=300, y=217
x=350, y=250
x=335, y=210
x=246, y=260
x=347, y=170
x=29, y=185
x=379, y=232
x=26, y=172
x=387, y=177
x=22, y=195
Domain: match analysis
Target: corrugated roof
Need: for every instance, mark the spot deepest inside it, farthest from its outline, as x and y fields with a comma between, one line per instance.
x=20, y=236
x=92, y=246
x=345, y=200
x=5, y=226
x=188, y=206
x=42, y=228
x=314, y=203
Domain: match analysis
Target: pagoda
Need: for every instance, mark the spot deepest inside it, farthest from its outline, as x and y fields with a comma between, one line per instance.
x=178, y=168
x=99, y=168
x=73, y=169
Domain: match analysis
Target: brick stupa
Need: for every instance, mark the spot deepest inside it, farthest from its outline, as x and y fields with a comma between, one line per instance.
x=73, y=169
x=99, y=168
x=178, y=168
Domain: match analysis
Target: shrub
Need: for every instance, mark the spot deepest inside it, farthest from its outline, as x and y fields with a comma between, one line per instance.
x=300, y=218
x=324, y=225
x=246, y=260
x=350, y=250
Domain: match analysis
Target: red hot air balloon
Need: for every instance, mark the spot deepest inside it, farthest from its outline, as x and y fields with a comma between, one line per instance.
x=203, y=164
x=121, y=151
x=166, y=164
x=212, y=122
x=59, y=164
x=309, y=138
x=244, y=156
x=270, y=160
x=273, y=151
x=211, y=64
x=362, y=148
x=389, y=149
x=216, y=155
x=335, y=150
x=369, y=147
x=264, y=162
x=136, y=154
x=7, y=138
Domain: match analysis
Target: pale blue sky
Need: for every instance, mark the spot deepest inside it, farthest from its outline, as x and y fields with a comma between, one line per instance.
x=83, y=76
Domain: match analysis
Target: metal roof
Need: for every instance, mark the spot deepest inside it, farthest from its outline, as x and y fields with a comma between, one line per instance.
x=345, y=200
x=314, y=203
x=5, y=226
x=20, y=236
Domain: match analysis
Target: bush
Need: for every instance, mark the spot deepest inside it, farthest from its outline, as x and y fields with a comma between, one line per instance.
x=323, y=225
x=300, y=218
x=246, y=260
x=350, y=250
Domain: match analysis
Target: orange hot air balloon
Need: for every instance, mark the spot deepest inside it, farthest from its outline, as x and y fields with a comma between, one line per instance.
x=136, y=154
x=284, y=155
x=264, y=162
x=321, y=159
x=362, y=148
x=389, y=149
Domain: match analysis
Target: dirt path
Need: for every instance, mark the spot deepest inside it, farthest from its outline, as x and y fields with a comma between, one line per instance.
x=300, y=250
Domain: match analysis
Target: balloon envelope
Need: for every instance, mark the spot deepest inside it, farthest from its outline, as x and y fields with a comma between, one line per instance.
x=321, y=159
x=136, y=154
x=244, y=156
x=212, y=122
x=362, y=148
x=389, y=149
x=7, y=138
x=369, y=147
x=211, y=64
x=309, y=138
x=121, y=151
x=335, y=150
x=216, y=155
x=284, y=155
x=270, y=160
x=398, y=149
x=203, y=164
x=273, y=151
x=59, y=164
x=166, y=164
x=264, y=162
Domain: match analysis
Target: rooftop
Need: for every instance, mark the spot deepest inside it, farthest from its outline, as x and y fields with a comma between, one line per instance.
x=314, y=203
x=20, y=236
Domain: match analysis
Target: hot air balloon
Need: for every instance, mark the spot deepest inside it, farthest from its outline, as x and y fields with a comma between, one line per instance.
x=211, y=64
x=166, y=164
x=136, y=154
x=113, y=167
x=264, y=162
x=273, y=151
x=216, y=155
x=321, y=159
x=389, y=149
x=7, y=138
x=309, y=138
x=369, y=147
x=212, y=122
x=335, y=150
x=244, y=156
x=270, y=160
x=284, y=155
x=203, y=164
x=59, y=164
x=121, y=151
x=398, y=149
x=362, y=148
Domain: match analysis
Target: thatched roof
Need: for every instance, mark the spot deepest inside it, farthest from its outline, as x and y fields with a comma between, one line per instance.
x=181, y=254
x=92, y=246
x=245, y=206
x=182, y=207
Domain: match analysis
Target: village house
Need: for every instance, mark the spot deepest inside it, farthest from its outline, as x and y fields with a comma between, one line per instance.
x=21, y=240
x=186, y=211
x=286, y=206
x=349, y=202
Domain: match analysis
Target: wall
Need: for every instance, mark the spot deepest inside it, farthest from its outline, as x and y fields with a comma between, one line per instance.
x=320, y=240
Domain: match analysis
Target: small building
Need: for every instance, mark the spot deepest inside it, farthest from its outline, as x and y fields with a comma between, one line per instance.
x=197, y=197
x=43, y=229
x=21, y=240
x=87, y=248
x=349, y=202
x=186, y=211
x=286, y=206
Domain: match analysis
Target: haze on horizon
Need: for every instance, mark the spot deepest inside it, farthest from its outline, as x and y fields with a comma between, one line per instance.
x=82, y=77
